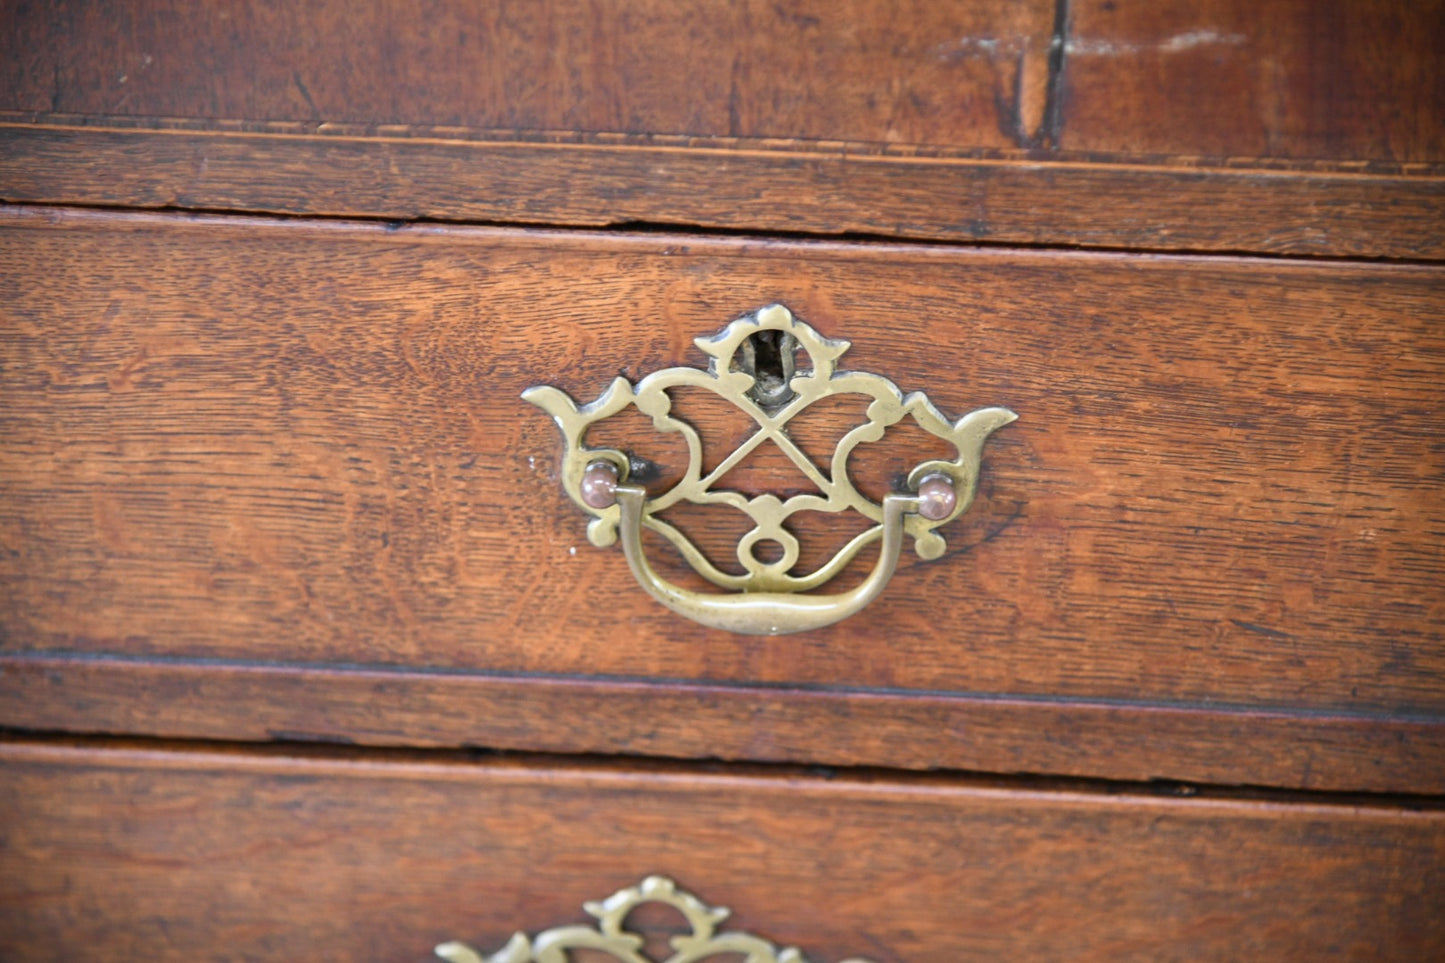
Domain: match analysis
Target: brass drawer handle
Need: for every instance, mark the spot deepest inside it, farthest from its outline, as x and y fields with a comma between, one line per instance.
x=610, y=936
x=753, y=366
x=762, y=613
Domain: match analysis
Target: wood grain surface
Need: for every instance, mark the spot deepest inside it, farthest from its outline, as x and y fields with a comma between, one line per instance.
x=1278, y=78
x=1336, y=79
x=172, y=855
x=268, y=481
x=837, y=726
x=1284, y=126
x=1368, y=210
x=302, y=444
x=814, y=69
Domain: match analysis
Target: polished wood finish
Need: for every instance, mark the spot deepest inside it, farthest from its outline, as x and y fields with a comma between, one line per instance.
x=302, y=444
x=133, y=853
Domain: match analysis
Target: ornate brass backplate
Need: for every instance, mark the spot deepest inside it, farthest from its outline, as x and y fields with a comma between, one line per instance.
x=609, y=936
x=768, y=598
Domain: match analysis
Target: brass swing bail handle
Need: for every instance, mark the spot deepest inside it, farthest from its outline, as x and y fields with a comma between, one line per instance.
x=764, y=613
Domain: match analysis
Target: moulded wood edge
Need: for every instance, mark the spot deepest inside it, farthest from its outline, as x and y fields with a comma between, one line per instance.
x=658, y=776
x=996, y=734
x=828, y=192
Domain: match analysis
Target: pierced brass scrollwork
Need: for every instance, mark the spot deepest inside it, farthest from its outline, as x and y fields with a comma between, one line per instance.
x=609, y=936
x=758, y=372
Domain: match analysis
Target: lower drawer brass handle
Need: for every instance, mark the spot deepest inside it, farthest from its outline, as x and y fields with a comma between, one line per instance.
x=762, y=613
x=754, y=366
x=610, y=935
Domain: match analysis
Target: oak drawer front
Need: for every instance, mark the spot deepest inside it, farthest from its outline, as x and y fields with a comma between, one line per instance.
x=281, y=470
x=154, y=854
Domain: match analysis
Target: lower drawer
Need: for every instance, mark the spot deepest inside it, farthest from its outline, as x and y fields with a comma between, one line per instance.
x=124, y=852
x=275, y=479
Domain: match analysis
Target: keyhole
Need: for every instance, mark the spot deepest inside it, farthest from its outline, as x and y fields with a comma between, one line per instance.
x=770, y=356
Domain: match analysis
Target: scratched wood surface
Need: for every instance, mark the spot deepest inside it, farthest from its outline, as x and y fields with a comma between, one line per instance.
x=1337, y=79
x=183, y=855
x=298, y=444
x=816, y=69
x=1278, y=78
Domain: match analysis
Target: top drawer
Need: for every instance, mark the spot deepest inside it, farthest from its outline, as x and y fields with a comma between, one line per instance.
x=275, y=478
x=1288, y=126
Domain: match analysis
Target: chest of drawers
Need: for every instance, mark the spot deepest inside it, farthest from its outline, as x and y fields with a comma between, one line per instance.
x=304, y=650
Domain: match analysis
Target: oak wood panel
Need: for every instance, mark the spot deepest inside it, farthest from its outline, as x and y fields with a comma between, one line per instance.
x=1120, y=740
x=905, y=72
x=292, y=443
x=152, y=854
x=1280, y=78
x=1338, y=79
x=242, y=439
x=1369, y=210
